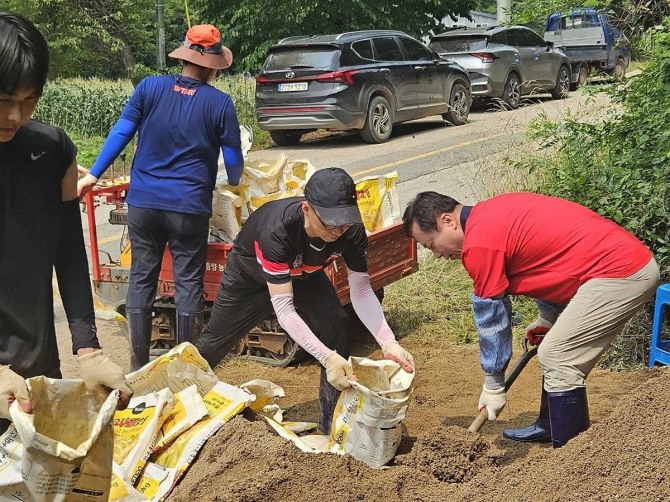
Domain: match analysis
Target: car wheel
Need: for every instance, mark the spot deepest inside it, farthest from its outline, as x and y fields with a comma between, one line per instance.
x=459, y=105
x=562, y=87
x=619, y=70
x=378, y=122
x=285, y=138
x=512, y=91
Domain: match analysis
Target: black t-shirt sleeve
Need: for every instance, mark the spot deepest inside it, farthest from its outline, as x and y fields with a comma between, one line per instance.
x=272, y=255
x=356, y=254
x=68, y=151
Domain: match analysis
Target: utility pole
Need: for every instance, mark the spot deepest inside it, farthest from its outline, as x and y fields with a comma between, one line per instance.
x=504, y=11
x=160, y=35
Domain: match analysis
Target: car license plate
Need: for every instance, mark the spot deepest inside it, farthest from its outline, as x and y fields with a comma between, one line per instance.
x=292, y=86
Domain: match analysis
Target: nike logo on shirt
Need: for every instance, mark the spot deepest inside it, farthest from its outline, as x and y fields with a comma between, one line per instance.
x=35, y=157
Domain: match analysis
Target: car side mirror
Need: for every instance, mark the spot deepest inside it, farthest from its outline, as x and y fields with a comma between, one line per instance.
x=549, y=44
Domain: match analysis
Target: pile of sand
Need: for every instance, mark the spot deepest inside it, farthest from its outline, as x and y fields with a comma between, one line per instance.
x=623, y=457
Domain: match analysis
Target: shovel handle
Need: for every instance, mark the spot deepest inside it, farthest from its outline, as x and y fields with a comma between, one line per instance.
x=478, y=422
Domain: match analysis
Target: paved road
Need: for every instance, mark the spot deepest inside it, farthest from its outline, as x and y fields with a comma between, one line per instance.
x=430, y=151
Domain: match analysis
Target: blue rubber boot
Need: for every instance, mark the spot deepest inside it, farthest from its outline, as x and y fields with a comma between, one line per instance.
x=569, y=415
x=537, y=432
x=189, y=327
x=139, y=323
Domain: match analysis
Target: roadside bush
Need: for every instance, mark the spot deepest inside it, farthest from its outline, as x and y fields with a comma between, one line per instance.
x=619, y=167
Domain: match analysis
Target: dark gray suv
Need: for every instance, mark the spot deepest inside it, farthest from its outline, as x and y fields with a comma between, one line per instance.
x=365, y=80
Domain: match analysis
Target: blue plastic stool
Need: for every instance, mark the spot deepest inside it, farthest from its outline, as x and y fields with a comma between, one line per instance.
x=660, y=349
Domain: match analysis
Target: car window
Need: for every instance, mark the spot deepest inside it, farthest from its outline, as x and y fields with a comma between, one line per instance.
x=415, y=51
x=458, y=44
x=532, y=38
x=499, y=38
x=322, y=58
x=387, y=49
x=513, y=38
x=522, y=38
x=363, y=48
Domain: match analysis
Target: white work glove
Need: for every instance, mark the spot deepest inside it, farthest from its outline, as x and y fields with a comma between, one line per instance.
x=338, y=371
x=99, y=373
x=493, y=400
x=537, y=329
x=13, y=386
x=394, y=352
x=85, y=183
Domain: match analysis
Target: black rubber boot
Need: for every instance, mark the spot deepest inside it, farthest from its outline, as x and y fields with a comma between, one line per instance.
x=328, y=396
x=537, y=432
x=139, y=323
x=569, y=415
x=189, y=327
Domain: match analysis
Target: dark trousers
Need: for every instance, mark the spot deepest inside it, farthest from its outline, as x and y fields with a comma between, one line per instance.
x=150, y=230
x=241, y=303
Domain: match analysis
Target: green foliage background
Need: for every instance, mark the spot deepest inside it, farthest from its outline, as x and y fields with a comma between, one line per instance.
x=250, y=27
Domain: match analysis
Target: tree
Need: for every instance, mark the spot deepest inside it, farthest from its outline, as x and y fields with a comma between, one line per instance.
x=250, y=27
x=104, y=38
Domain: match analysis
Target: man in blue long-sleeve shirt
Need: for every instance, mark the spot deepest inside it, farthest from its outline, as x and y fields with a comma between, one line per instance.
x=181, y=121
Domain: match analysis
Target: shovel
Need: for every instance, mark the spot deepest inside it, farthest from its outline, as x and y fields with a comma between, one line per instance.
x=527, y=355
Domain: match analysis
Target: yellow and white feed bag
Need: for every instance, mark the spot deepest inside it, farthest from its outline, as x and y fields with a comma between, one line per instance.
x=377, y=198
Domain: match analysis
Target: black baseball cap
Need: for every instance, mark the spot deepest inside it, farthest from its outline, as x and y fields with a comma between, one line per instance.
x=332, y=194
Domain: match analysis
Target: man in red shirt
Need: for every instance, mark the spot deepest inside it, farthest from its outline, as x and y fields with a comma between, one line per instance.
x=587, y=275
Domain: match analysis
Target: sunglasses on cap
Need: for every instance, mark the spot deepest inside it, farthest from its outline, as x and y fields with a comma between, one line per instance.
x=216, y=48
x=327, y=227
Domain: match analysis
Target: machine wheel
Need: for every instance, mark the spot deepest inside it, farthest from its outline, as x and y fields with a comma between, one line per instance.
x=619, y=70
x=286, y=138
x=512, y=91
x=459, y=105
x=562, y=87
x=273, y=359
x=379, y=121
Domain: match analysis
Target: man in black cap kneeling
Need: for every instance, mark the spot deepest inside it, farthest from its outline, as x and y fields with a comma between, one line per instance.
x=291, y=240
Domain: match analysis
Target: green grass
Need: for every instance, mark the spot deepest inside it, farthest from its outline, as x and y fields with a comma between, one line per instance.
x=637, y=65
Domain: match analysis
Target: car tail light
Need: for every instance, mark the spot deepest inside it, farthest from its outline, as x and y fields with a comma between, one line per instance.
x=344, y=77
x=486, y=57
x=262, y=80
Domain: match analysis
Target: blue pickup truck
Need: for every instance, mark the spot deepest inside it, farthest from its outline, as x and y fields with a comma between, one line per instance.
x=590, y=41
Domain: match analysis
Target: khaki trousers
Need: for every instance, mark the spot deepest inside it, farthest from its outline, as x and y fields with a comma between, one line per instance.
x=589, y=323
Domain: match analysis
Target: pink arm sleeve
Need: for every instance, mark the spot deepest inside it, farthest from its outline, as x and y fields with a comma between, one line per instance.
x=297, y=328
x=367, y=308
